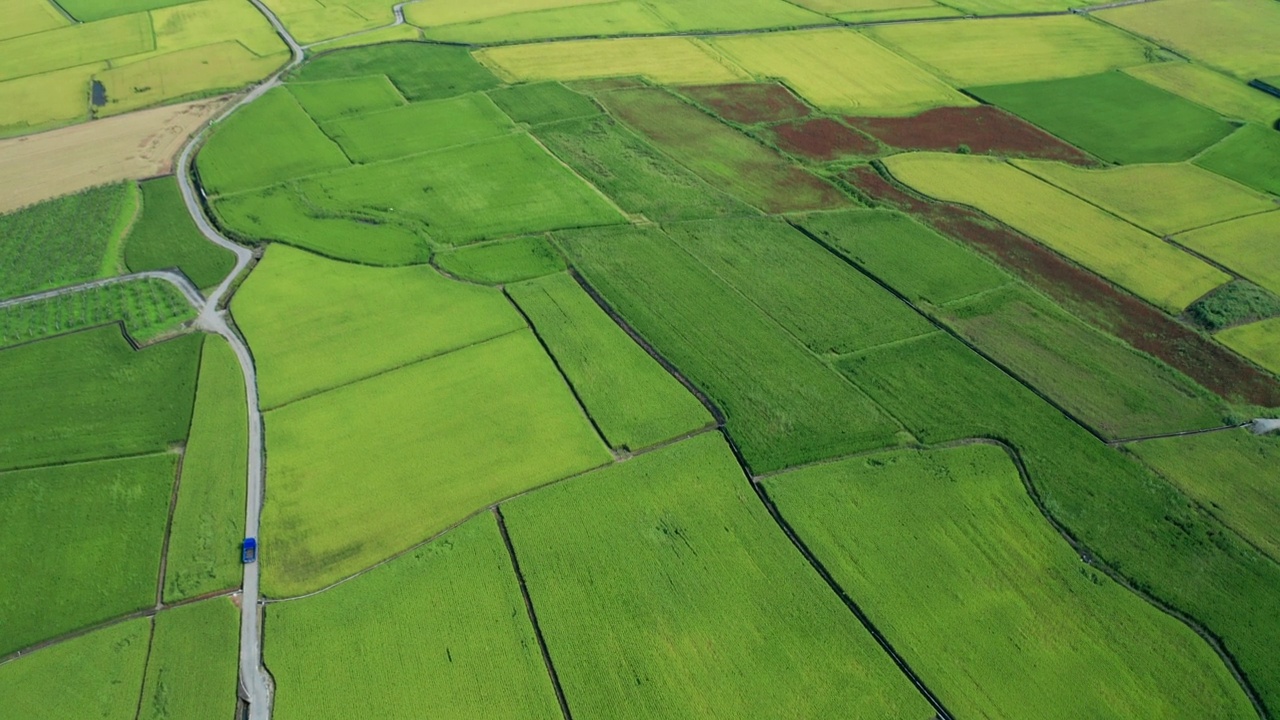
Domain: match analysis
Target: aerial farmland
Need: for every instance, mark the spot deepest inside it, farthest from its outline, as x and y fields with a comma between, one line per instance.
x=655, y=359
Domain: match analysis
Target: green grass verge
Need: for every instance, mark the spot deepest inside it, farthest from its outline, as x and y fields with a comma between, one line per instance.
x=416, y=128
x=165, y=236
x=1129, y=519
x=638, y=177
x=315, y=324
x=418, y=70
x=1113, y=116
x=538, y=103
x=1236, y=303
x=633, y=399
x=90, y=395
x=208, y=522
x=63, y=241
x=452, y=634
x=84, y=540
x=194, y=663
x=1251, y=155
x=504, y=261
x=782, y=404
x=922, y=265
x=824, y=303
x=450, y=436
x=94, y=676
x=1031, y=615
x=332, y=99
x=699, y=605
x=148, y=308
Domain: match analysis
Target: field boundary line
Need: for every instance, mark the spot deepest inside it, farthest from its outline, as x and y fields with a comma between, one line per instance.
x=533, y=615
x=173, y=277
x=1177, y=433
x=86, y=461
x=168, y=527
x=146, y=665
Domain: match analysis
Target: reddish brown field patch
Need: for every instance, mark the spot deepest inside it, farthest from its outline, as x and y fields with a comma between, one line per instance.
x=822, y=139
x=982, y=129
x=1088, y=295
x=749, y=103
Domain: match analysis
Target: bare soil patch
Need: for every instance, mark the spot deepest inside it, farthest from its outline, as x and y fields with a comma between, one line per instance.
x=1142, y=326
x=983, y=129
x=822, y=139
x=749, y=103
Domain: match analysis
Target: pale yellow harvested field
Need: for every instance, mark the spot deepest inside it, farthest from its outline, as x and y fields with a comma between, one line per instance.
x=1239, y=36
x=431, y=13
x=1213, y=90
x=669, y=60
x=137, y=145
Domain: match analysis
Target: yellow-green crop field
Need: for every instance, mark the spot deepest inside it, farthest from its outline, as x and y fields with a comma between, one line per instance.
x=1259, y=342
x=1000, y=50
x=1238, y=36
x=1118, y=251
x=312, y=21
x=1248, y=246
x=1164, y=199
x=674, y=61
x=840, y=70
x=1211, y=89
x=24, y=17
x=625, y=17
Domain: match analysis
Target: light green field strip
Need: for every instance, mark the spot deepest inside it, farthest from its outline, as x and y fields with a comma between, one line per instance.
x=1248, y=246
x=841, y=70
x=208, y=522
x=664, y=589
x=1006, y=7
x=669, y=61
x=419, y=127
x=452, y=639
x=94, y=676
x=1238, y=36
x=835, y=7
x=684, y=15
x=315, y=324
x=1260, y=342
x=266, y=142
x=311, y=21
x=148, y=308
x=193, y=666
x=332, y=99
x=111, y=400
x=203, y=70
x=81, y=544
x=633, y=399
x=384, y=35
x=1114, y=249
x=504, y=261
x=90, y=10
x=1014, y=613
x=1234, y=473
x=430, y=13
x=207, y=22
x=1250, y=155
x=35, y=102
x=1010, y=50
x=626, y=17
x=1198, y=84
x=24, y=17
x=1164, y=199
x=367, y=470
x=75, y=45
x=931, y=10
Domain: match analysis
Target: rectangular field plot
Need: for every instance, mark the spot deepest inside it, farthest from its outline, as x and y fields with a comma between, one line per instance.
x=266, y=142
x=1250, y=155
x=198, y=71
x=841, y=70
x=1120, y=252
x=958, y=523
x=85, y=538
x=148, y=308
x=636, y=176
x=1113, y=116
x=452, y=12
x=1260, y=342
x=97, y=675
x=624, y=17
x=503, y=261
x=633, y=399
x=1248, y=246
x=192, y=667
x=1164, y=199
x=910, y=257
x=825, y=304
x=670, y=61
x=315, y=324
x=165, y=236
x=505, y=186
x=448, y=437
x=452, y=635
x=1115, y=389
x=35, y=102
x=684, y=15
x=417, y=128
x=1234, y=472
x=331, y=99
x=725, y=158
x=75, y=45
x=1012, y=50
x=419, y=71
x=783, y=405
x=110, y=400
x=24, y=17
x=208, y=521
x=90, y=10
x=1238, y=36
x=1198, y=84
x=664, y=590
x=544, y=102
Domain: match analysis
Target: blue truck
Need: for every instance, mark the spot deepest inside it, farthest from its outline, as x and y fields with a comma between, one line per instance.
x=249, y=550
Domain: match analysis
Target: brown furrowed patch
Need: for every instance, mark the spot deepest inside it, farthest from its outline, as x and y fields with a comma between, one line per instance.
x=983, y=129
x=1141, y=325
x=822, y=139
x=749, y=103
